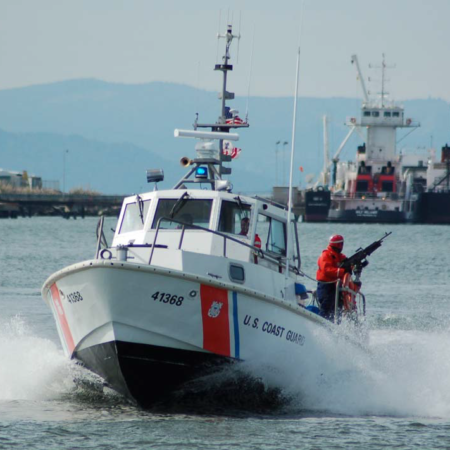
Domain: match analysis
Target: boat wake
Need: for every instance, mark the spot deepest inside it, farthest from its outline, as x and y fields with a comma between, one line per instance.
x=399, y=373
x=32, y=368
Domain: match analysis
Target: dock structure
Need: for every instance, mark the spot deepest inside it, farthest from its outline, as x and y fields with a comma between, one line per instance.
x=13, y=205
x=280, y=194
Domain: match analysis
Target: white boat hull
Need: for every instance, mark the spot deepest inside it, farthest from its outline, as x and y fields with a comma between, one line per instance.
x=147, y=330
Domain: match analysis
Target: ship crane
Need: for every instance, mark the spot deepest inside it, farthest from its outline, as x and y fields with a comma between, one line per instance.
x=333, y=162
x=361, y=79
x=325, y=174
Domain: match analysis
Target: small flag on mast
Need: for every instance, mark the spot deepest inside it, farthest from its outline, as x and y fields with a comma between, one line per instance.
x=230, y=150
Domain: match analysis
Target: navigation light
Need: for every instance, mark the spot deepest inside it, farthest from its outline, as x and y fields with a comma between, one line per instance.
x=201, y=172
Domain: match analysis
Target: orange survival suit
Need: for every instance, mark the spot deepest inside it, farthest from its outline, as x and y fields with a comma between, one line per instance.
x=328, y=272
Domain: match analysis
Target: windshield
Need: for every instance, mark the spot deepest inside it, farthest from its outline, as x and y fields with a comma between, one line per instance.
x=196, y=212
x=134, y=216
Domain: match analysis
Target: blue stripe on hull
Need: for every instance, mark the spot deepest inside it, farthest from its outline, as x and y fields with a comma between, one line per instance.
x=236, y=327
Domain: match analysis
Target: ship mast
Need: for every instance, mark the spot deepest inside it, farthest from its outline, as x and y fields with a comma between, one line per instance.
x=220, y=131
x=383, y=67
x=224, y=68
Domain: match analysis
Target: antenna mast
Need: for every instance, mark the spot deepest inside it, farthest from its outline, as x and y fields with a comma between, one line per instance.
x=224, y=68
x=289, y=214
x=208, y=153
x=383, y=68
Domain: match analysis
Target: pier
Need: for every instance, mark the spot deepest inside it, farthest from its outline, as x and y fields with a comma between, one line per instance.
x=13, y=205
x=280, y=194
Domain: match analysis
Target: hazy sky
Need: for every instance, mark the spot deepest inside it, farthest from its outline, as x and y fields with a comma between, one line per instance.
x=138, y=41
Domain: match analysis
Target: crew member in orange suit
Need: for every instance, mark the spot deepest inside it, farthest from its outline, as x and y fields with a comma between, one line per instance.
x=328, y=274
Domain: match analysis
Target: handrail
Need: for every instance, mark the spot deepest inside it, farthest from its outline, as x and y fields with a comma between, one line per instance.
x=369, y=195
x=263, y=254
x=100, y=236
x=336, y=300
x=339, y=289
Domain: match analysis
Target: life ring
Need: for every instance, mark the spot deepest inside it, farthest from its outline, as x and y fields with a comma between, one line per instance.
x=349, y=298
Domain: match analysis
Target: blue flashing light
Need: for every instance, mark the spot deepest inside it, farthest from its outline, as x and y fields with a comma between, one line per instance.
x=201, y=172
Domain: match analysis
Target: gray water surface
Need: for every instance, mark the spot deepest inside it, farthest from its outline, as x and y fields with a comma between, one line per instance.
x=395, y=393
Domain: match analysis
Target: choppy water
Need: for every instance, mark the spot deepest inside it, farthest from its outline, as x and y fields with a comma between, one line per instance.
x=394, y=394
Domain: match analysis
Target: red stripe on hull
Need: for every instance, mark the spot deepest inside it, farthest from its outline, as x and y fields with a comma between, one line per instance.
x=62, y=318
x=216, y=324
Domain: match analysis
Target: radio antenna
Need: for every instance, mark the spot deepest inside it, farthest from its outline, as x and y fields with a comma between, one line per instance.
x=291, y=171
x=239, y=37
x=250, y=75
x=218, y=36
x=197, y=88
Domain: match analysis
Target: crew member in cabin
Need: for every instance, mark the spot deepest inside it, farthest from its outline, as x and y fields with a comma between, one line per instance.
x=328, y=274
x=245, y=223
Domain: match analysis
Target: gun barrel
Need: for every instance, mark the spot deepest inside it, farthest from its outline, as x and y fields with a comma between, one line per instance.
x=363, y=253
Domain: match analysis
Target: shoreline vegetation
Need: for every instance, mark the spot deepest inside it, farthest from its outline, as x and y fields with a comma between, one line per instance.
x=6, y=188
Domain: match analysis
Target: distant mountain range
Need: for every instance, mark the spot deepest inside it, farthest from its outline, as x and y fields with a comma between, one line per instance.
x=114, y=132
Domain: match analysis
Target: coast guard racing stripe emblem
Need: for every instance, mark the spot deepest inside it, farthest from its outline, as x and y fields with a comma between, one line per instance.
x=216, y=322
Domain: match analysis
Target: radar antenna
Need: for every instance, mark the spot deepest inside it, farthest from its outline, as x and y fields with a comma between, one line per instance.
x=383, y=67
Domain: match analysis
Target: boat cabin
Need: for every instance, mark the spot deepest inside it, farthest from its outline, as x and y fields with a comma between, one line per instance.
x=213, y=223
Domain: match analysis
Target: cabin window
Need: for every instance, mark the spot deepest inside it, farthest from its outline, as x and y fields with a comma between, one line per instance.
x=237, y=273
x=186, y=210
x=395, y=114
x=234, y=218
x=272, y=233
x=387, y=114
x=387, y=186
x=362, y=186
x=366, y=113
x=134, y=216
x=375, y=113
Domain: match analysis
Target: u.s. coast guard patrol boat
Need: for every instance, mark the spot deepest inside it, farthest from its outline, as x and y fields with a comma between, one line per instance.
x=193, y=278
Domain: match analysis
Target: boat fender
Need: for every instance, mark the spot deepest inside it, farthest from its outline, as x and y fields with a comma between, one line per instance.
x=301, y=291
x=313, y=308
x=105, y=254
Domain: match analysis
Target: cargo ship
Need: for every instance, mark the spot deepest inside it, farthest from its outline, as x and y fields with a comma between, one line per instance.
x=433, y=203
x=317, y=204
x=372, y=188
